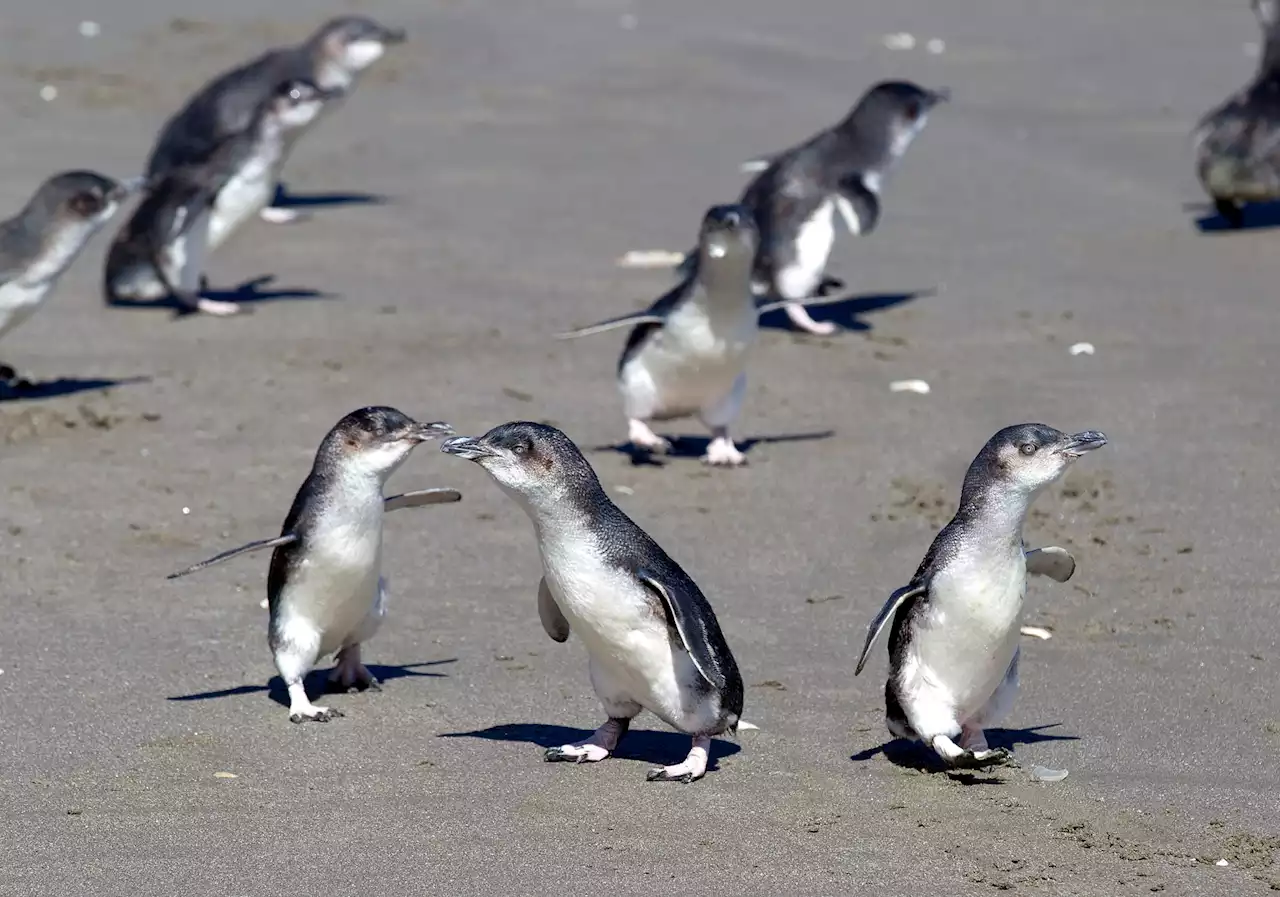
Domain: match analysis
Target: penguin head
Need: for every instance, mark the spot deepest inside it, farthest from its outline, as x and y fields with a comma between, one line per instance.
x=297, y=102
x=79, y=201
x=374, y=441
x=1028, y=457
x=891, y=114
x=536, y=464
x=356, y=42
x=728, y=231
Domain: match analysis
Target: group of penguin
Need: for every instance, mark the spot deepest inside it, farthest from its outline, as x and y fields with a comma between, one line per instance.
x=652, y=639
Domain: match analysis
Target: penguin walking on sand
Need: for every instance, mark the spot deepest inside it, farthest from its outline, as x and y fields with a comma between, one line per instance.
x=333, y=58
x=687, y=353
x=652, y=639
x=1238, y=144
x=161, y=251
x=953, y=638
x=797, y=193
x=38, y=244
x=325, y=591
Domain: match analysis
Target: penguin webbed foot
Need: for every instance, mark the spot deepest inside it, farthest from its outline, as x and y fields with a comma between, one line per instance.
x=313, y=714
x=582, y=752
x=644, y=440
x=721, y=452
x=693, y=768
x=280, y=215
x=830, y=285
x=350, y=675
x=982, y=759
x=800, y=317
x=11, y=379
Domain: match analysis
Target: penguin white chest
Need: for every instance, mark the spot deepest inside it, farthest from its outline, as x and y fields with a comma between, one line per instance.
x=625, y=635
x=247, y=193
x=20, y=297
x=336, y=582
x=814, y=238
x=691, y=363
x=970, y=632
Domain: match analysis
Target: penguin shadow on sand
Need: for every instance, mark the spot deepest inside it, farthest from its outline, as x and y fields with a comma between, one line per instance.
x=644, y=745
x=685, y=447
x=301, y=202
x=845, y=311
x=1253, y=216
x=20, y=389
x=317, y=682
x=248, y=293
x=914, y=755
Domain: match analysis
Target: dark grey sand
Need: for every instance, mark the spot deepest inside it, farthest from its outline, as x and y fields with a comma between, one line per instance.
x=522, y=150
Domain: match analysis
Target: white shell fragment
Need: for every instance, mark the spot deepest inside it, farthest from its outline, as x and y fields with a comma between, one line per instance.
x=90, y=29
x=909, y=386
x=626, y=490
x=48, y=93
x=1037, y=632
x=1045, y=774
x=936, y=45
x=651, y=258
x=1222, y=863
x=744, y=726
x=263, y=603
x=900, y=41
x=1081, y=349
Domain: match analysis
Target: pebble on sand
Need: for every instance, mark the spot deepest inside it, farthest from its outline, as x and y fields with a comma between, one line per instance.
x=909, y=386
x=90, y=29
x=225, y=775
x=1081, y=349
x=936, y=45
x=1045, y=774
x=48, y=93
x=900, y=41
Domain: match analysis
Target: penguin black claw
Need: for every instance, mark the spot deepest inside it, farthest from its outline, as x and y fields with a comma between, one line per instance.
x=1231, y=212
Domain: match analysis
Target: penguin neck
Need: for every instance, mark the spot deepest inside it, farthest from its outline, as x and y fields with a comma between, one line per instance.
x=330, y=74
x=726, y=281
x=995, y=508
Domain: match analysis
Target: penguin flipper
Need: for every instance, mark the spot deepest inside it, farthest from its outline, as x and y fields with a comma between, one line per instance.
x=682, y=615
x=886, y=614
x=858, y=205
x=1052, y=561
x=553, y=620
x=420, y=498
x=644, y=317
x=243, y=549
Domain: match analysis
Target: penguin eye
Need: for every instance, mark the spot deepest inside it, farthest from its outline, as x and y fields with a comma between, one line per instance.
x=520, y=448
x=1027, y=448
x=85, y=203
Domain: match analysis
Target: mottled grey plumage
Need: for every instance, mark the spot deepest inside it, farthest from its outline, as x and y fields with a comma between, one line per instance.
x=1238, y=143
x=953, y=640
x=653, y=640
x=325, y=592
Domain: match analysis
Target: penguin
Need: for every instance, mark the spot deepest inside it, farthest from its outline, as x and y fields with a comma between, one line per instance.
x=161, y=250
x=325, y=591
x=687, y=353
x=954, y=628
x=797, y=193
x=652, y=639
x=38, y=244
x=333, y=58
x=1237, y=144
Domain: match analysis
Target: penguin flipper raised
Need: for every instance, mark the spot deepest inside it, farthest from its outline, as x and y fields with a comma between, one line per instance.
x=420, y=498
x=243, y=549
x=553, y=620
x=689, y=624
x=644, y=317
x=886, y=614
x=1052, y=561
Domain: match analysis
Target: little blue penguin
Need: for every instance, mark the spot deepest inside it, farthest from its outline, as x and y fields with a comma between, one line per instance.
x=1238, y=144
x=953, y=642
x=38, y=244
x=161, y=251
x=687, y=353
x=325, y=589
x=332, y=58
x=652, y=639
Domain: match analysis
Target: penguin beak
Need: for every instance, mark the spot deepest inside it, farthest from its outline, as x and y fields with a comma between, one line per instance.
x=940, y=95
x=434, y=430
x=326, y=94
x=393, y=35
x=125, y=189
x=1077, y=445
x=467, y=448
